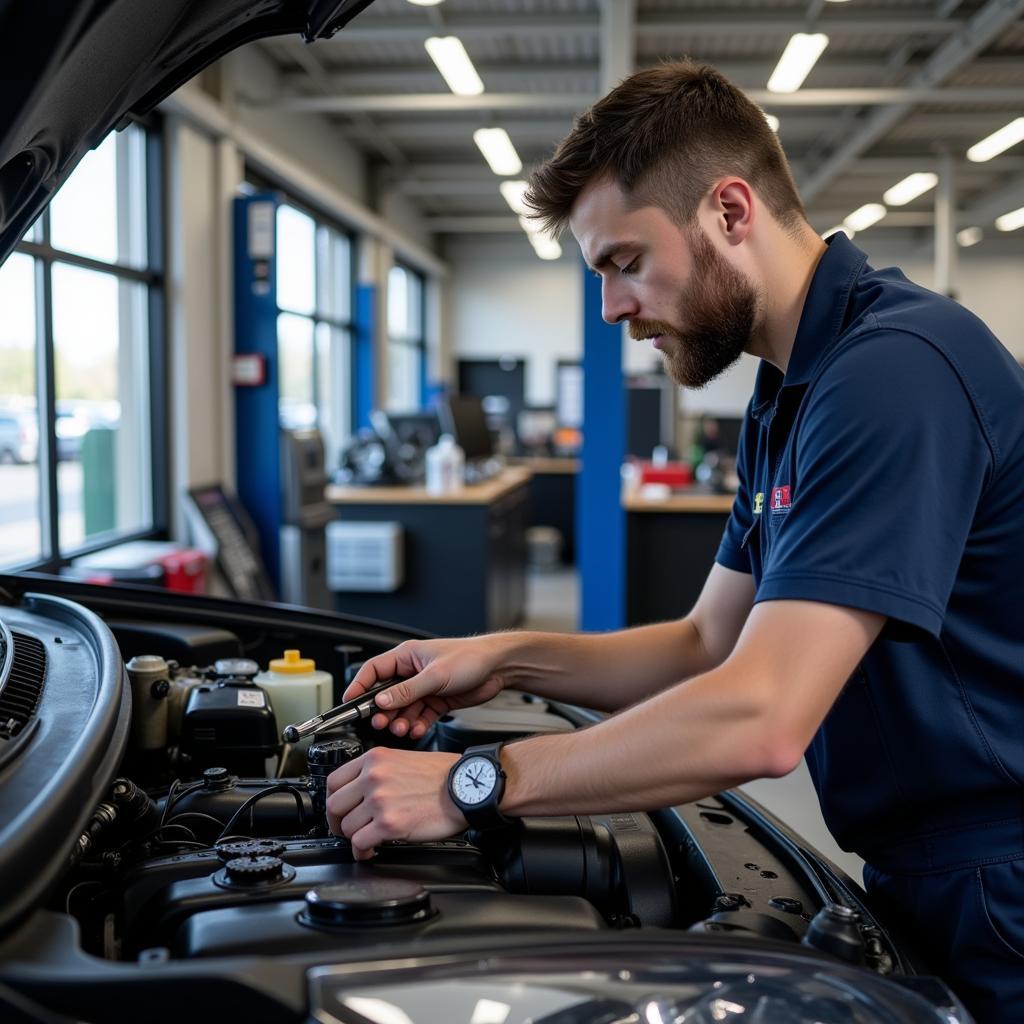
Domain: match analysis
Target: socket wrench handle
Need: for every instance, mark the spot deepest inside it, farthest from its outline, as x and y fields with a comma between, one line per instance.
x=349, y=711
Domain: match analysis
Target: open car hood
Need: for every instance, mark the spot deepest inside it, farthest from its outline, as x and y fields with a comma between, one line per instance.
x=74, y=69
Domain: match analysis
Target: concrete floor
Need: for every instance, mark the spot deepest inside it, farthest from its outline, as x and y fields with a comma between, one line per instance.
x=552, y=605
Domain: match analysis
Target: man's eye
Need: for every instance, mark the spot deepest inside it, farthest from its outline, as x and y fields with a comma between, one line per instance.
x=630, y=267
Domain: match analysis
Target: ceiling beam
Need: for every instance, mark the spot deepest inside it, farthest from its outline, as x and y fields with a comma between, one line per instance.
x=901, y=98
x=427, y=177
x=500, y=76
x=542, y=132
x=1007, y=197
x=471, y=225
x=782, y=23
x=982, y=28
x=455, y=224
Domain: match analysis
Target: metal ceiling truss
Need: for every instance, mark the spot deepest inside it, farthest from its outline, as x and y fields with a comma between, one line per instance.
x=398, y=108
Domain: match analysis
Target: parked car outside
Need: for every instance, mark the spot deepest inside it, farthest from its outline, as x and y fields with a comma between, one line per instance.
x=19, y=438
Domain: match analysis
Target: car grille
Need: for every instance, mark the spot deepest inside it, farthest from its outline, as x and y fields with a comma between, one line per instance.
x=20, y=693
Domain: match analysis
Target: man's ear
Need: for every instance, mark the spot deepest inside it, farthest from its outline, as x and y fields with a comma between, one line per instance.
x=733, y=202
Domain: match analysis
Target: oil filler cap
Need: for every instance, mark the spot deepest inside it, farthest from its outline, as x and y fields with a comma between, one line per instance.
x=369, y=901
x=250, y=848
x=251, y=870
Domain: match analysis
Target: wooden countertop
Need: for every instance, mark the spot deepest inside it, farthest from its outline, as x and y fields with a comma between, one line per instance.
x=473, y=494
x=546, y=464
x=633, y=502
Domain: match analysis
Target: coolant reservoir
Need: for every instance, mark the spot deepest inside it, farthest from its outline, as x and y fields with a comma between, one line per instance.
x=297, y=690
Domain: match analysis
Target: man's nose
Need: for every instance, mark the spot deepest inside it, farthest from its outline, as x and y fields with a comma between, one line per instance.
x=616, y=303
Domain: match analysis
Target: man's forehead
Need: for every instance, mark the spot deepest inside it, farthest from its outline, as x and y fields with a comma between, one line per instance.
x=601, y=221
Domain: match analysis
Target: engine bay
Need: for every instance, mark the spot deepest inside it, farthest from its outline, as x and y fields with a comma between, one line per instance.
x=154, y=827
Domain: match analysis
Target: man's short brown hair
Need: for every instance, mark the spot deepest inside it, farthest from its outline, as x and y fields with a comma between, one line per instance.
x=666, y=135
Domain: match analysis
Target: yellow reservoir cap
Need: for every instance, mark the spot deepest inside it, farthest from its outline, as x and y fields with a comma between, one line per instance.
x=293, y=664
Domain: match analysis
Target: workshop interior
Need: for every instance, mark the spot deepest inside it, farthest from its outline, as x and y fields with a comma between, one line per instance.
x=288, y=377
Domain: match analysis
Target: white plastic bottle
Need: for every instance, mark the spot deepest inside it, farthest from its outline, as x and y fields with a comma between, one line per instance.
x=445, y=464
x=296, y=689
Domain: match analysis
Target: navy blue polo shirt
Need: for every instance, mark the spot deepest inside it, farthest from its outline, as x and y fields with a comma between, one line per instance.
x=885, y=471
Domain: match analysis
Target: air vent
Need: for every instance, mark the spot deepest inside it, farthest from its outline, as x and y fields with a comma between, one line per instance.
x=19, y=695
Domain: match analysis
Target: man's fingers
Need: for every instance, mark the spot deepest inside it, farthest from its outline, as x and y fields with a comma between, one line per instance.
x=406, y=718
x=408, y=692
x=359, y=817
x=364, y=842
x=338, y=809
x=343, y=775
x=399, y=661
x=384, y=666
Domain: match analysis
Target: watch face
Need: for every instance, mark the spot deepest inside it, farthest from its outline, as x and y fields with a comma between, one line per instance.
x=474, y=780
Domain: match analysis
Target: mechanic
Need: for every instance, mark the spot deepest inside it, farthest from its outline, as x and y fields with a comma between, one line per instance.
x=864, y=607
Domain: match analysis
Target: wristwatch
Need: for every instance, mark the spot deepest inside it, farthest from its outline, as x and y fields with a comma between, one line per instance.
x=476, y=785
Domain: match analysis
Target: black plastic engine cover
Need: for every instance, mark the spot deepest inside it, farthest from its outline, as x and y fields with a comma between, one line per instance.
x=271, y=928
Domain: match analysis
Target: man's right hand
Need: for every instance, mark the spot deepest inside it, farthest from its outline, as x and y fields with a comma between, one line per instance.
x=439, y=675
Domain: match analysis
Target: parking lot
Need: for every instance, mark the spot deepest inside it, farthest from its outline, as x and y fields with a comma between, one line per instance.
x=19, y=510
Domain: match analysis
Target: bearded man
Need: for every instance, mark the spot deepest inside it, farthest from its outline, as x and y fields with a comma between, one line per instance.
x=864, y=608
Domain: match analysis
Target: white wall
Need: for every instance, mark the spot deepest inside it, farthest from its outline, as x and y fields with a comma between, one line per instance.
x=990, y=278
x=506, y=301
x=310, y=137
x=199, y=315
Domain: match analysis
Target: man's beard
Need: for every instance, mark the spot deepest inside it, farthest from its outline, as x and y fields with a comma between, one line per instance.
x=719, y=308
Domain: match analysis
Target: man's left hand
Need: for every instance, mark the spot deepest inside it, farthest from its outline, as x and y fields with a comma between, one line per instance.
x=392, y=794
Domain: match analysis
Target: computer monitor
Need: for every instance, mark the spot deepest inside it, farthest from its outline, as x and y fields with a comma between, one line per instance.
x=463, y=417
x=418, y=429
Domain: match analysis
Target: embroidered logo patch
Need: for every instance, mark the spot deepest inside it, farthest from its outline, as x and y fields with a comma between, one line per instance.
x=781, y=500
x=758, y=503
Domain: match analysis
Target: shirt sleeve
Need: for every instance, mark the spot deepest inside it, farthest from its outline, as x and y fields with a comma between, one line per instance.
x=890, y=463
x=730, y=550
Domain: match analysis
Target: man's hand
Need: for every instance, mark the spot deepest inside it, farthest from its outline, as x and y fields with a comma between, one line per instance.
x=439, y=675
x=392, y=794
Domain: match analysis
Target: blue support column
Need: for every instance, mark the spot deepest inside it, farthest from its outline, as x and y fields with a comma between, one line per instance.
x=363, y=356
x=257, y=444
x=600, y=519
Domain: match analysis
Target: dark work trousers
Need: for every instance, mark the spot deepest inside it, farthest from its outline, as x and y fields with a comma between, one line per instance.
x=969, y=924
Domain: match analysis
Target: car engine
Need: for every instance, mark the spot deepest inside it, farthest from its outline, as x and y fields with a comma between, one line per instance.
x=154, y=830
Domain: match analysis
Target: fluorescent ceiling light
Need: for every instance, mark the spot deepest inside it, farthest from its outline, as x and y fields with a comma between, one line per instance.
x=998, y=142
x=773, y=122
x=450, y=56
x=489, y=1011
x=911, y=187
x=434, y=3
x=795, y=64
x=513, y=191
x=498, y=150
x=849, y=232
x=544, y=245
x=1011, y=221
x=864, y=216
x=969, y=236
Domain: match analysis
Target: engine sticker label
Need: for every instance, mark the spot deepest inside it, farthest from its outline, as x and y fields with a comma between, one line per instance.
x=251, y=699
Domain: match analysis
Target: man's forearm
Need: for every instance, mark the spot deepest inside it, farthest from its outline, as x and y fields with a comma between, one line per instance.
x=696, y=739
x=606, y=671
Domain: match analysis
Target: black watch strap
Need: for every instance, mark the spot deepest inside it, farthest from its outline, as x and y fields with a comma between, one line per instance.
x=484, y=815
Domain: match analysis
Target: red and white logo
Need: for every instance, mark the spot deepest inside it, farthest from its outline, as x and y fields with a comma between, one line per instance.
x=781, y=500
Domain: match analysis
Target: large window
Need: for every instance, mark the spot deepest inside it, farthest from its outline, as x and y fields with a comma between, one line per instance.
x=314, y=326
x=406, y=342
x=81, y=343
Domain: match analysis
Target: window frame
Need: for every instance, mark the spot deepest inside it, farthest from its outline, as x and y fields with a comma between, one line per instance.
x=285, y=195
x=418, y=342
x=45, y=256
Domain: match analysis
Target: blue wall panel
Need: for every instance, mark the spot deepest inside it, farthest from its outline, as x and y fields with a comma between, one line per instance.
x=257, y=445
x=363, y=356
x=600, y=519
